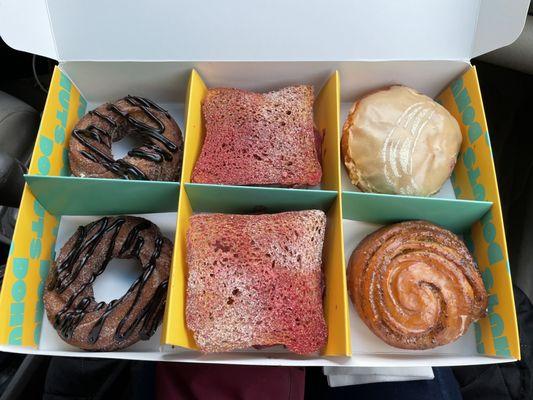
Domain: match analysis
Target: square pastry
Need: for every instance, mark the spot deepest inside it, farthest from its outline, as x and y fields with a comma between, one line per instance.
x=259, y=139
x=256, y=280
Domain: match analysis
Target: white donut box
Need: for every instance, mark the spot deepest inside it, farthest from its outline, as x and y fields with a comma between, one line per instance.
x=108, y=49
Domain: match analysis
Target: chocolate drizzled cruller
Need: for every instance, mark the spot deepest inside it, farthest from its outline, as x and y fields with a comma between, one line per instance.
x=69, y=298
x=159, y=156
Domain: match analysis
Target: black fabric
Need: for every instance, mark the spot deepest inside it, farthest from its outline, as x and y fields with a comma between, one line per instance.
x=11, y=180
x=508, y=107
x=8, y=367
x=509, y=381
x=96, y=379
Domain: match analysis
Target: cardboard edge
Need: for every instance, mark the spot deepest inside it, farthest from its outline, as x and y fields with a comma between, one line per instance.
x=377, y=361
x=175, y=332
x=56, y=206
x=344, y=348
x=463, y=99
x=428, y=199
x=339, y=338
x=327, y=102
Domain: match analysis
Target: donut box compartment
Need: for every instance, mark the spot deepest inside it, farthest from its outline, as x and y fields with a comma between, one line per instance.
x=117, y=278
x=176, y=334
x=51, y=181
x=179, y=86
x=366, y=345
x=467, y=204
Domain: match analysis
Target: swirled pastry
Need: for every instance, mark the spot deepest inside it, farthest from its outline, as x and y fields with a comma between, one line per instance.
x=415, y=285
x=398, y=141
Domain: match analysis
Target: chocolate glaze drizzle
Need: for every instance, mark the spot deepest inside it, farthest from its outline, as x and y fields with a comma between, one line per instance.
x=75, y=309
x=156, y=147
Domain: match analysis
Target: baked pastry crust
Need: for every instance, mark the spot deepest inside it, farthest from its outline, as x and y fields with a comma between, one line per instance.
x=415, y=285
x=398, y=141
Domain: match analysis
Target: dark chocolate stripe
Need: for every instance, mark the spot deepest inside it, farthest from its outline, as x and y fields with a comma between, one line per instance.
x=119, y=167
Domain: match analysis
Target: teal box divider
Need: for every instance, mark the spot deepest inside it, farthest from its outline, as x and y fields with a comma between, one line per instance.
x=250, y=199
x=455, y=215
x=68, y=195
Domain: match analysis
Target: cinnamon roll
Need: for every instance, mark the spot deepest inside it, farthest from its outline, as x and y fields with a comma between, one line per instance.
x=415, y=285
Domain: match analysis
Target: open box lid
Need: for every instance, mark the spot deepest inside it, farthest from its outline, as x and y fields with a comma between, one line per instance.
x=280, y=30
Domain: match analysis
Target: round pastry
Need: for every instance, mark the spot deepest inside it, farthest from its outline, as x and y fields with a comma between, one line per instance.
x=157, y=159
x=398, y=141
x=69, y=298
x=415, y=285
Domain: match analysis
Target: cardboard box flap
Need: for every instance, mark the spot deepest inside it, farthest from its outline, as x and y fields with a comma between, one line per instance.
x=499, y=24
x=252, y=30
x=25, y=26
